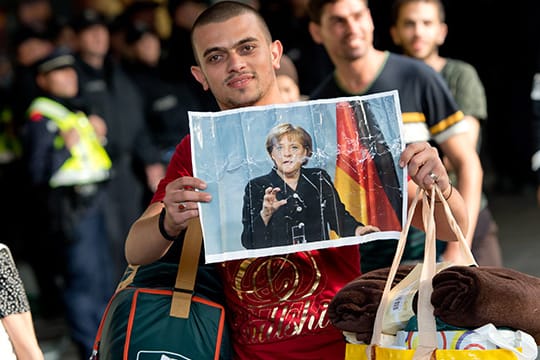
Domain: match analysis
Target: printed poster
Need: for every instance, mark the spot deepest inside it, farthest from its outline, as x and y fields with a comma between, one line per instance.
x=300, y=176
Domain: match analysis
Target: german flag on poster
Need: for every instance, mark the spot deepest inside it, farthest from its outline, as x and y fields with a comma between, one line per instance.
x=366, y=179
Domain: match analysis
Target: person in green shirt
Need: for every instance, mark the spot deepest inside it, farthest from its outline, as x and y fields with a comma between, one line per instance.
x=419, y=28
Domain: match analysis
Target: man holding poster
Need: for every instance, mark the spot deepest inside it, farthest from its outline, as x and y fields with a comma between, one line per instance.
x=276, y=304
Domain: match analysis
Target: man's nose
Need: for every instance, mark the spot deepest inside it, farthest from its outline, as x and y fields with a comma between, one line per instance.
x=351, y=25
x=236, y=62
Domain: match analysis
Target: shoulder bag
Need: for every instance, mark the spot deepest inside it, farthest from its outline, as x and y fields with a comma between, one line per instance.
x=156, y=315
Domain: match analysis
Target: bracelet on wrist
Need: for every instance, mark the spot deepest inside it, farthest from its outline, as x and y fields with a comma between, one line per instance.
x=450, y=193
x=161, y=225
x=445, y=197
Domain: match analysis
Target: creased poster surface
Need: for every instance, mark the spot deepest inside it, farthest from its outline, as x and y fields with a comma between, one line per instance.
x=301, y=176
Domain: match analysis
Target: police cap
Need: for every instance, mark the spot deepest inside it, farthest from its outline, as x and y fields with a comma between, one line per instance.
x=58, y=59
x=88, y=18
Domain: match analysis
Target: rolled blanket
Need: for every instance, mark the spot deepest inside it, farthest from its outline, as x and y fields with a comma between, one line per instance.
x=471, y=297
x=354, y=307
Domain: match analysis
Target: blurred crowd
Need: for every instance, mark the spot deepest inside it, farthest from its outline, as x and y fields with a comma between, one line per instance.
x=118, y=73
x=130, y=61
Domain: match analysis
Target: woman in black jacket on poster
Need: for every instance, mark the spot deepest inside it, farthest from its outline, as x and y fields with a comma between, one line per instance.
x=293, y=204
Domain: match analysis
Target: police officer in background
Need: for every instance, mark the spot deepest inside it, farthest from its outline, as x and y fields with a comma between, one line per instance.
x=66, y=159
x=166, y=103
x=107, y=91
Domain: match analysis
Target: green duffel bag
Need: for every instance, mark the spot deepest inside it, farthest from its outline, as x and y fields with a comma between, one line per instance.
x=137, y=323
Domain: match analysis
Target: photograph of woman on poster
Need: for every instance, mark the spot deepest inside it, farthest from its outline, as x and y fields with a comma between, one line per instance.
x=299, y=176
x=294, y=204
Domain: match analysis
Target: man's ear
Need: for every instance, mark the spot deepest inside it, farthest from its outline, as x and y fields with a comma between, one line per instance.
x=315, y=31
x=442, y=34
x=41, y=81
x=199, y=76
x=276, y=51
x=394, y=35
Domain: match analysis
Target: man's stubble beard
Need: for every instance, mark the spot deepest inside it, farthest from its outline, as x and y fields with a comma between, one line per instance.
x=233, y=103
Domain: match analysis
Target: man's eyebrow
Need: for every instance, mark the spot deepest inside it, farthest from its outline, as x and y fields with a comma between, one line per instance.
x=336, y=17
x=219, y=48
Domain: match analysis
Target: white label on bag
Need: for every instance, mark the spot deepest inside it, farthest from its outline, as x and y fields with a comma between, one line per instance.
x=400, y=303
x=160, y=355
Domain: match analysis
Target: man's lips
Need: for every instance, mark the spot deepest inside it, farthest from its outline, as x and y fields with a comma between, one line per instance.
x=353, y=40
x=417, y=45
x=239, y=81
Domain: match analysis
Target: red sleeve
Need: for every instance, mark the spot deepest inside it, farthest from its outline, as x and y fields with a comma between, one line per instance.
x=180, y=165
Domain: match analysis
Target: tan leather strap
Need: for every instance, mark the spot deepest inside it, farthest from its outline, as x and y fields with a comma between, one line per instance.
x=129, y=279
x=187, y=270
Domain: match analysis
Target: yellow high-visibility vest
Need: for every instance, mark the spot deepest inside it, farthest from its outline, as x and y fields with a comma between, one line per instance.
x=89, y=162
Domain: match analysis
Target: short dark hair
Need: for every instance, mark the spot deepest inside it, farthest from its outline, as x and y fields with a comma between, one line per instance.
x=398, y=4
x=314, y=9
x=223, y=11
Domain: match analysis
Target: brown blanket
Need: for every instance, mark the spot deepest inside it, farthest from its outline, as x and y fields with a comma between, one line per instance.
x=354, y=307
x=475, y=296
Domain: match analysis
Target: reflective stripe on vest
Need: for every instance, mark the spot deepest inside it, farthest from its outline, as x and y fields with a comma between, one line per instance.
x=89, y=162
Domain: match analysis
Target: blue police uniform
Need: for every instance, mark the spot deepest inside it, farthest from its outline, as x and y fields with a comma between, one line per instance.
x=74, y=181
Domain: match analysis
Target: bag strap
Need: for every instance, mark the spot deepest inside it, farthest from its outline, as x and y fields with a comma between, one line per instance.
x=376, y=337
x=467, y=257
x=427, y=330
x=187, y=270
x=131, y=271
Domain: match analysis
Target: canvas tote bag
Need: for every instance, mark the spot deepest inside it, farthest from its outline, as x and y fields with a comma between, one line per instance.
x=427, y=331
